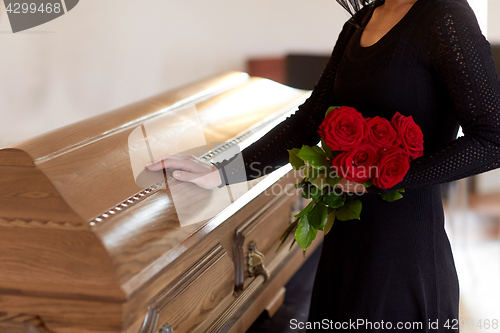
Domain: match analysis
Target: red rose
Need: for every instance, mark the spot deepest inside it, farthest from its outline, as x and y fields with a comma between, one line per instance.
x=381, y=133
x=343, y=128
x=358, y=164
x=412, y=138
x=391, y=168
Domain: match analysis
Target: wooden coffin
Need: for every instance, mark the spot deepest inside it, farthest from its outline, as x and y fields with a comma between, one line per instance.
x=84, y=248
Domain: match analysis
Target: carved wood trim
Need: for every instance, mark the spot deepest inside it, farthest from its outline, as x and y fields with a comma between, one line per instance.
x=28, y=194
x=218, y=325
x=178, y=286
x=34, y=223
x=239, y=262
x=21, y=323
x=239, y=239
x=242, y=138
x=15, y=157
x=138, y=197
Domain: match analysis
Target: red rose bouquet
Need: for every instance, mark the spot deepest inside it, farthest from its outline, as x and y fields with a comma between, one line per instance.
x=369, y=151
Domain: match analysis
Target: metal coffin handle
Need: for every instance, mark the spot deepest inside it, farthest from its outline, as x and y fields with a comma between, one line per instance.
x=255, y=262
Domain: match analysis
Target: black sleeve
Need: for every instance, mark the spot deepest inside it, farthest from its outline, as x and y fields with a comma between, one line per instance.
x=462, y=58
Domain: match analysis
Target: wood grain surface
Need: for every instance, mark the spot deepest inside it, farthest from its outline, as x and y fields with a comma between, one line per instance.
x=84, y=249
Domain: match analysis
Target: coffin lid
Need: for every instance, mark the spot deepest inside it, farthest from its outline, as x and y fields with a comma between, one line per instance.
x=80, y=178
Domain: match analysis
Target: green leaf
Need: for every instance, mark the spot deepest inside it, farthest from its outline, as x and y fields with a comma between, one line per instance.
x=351, y=210
x=320, y=181
x=329, y=223
x=317, y=216
x=313, y=157
x=306, y=210
x=310, y=191
x=331, y=108
x=401, y=190
x=328, y=150
x=301, y=184
x=333, y=181
x=287, y=232
x=295, y=161
x=305, y=233
x=367, y=184
x=349, y=196
x=311, y=173
x=391, y=196
x=318, y=149
x=333, y=200
x=315, y=193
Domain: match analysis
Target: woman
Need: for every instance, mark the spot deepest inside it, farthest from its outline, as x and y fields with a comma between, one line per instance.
x=394, y=268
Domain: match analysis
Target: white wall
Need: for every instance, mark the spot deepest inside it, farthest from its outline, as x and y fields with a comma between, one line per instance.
x=480, y=8
x=494, y=21
x=105, y=54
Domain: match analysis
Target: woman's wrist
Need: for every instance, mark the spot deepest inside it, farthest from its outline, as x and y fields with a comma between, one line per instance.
x=218, y=177
x=218, y=173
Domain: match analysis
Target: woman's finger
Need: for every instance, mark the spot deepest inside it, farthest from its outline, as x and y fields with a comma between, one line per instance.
x=207, y=181
x=188, y=168
x=169, y=163
x=184, y=176
x=157, y=160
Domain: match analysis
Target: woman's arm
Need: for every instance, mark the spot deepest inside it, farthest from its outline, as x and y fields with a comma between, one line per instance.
x=270, y=152
x=463, y=60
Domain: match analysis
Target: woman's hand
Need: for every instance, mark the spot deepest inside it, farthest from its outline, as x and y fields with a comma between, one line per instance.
x=189, y=169
x=350, y=186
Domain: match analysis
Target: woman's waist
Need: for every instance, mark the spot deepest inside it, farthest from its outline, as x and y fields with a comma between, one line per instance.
x=411, y=197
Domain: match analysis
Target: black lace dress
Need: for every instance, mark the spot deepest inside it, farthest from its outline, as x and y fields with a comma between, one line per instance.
x=395, y=266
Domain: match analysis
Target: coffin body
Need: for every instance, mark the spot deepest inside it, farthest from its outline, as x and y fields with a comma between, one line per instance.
x=87, y=246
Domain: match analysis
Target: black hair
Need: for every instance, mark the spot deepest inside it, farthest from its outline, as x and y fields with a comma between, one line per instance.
x=353, y=6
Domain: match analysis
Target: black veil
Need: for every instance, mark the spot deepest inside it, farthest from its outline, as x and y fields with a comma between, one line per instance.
x=353, y=6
